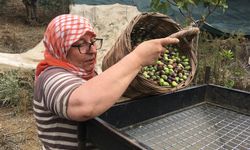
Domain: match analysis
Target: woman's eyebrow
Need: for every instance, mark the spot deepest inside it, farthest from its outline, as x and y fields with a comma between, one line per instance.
x=81, y=41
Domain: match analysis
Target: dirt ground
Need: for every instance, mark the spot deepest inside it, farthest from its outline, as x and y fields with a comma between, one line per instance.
x=18, y=131
x=16, y=34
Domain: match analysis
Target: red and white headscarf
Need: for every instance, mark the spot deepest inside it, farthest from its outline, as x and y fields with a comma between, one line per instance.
x=61, y=33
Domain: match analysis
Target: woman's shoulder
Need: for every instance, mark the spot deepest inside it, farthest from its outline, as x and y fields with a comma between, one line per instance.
x=55, y=69
x=55, y=73
x=52, y=70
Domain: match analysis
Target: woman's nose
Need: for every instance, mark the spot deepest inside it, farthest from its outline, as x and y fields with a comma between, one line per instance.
x=93, y=49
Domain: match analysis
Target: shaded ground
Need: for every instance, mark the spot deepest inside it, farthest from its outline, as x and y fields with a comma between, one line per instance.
x=17, y=131
x=16, y=35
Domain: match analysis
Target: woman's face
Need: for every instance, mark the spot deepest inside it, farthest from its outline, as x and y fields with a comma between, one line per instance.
x=81, y=54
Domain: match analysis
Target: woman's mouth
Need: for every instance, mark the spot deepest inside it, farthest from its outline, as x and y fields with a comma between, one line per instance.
x=90, y=60
x=88, y=64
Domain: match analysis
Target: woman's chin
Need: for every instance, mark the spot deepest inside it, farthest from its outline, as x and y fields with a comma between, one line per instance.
x=88, y=66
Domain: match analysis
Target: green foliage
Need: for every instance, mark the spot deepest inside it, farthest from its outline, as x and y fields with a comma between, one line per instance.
x=229, y=83
x=186, y=6
x=227, y=55
x=159, y=6
x=56, y=6
x=226, y=58
x=16, y=88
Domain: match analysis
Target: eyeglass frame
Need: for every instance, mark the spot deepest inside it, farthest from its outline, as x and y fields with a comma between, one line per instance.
x=90, y=44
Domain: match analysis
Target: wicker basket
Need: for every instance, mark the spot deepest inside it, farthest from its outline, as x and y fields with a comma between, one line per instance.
x=151, y=26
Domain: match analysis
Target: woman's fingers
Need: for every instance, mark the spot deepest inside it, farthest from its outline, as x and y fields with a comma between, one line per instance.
x=169, y=40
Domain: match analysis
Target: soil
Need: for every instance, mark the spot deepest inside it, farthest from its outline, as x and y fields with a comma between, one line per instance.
x=16, y=34
x=18, y=131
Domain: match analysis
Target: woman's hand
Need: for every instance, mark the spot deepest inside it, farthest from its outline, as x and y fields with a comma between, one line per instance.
x=149, y=51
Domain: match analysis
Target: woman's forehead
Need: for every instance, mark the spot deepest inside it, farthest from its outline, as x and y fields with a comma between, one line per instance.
x=88, y=36
x=85, y=39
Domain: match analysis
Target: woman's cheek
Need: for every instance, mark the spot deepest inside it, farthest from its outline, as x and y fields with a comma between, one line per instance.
x=89, y=65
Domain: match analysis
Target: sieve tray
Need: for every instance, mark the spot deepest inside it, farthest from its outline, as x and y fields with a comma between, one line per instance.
x=200, y=117
x=201, y=127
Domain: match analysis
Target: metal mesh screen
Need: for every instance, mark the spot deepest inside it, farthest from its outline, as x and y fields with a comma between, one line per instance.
x=205, y=127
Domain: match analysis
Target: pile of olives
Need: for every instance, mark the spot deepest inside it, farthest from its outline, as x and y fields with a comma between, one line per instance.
x=170, y=69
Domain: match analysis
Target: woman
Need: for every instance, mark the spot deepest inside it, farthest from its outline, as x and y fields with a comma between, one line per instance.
x=67, y=88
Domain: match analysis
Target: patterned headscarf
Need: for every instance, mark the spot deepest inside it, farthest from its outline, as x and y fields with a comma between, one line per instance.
x=61, y=33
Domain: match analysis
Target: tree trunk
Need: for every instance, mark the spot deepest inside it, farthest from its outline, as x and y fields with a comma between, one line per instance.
x=31, y=10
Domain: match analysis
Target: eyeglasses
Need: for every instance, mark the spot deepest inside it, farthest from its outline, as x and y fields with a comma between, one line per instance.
x=85, y=47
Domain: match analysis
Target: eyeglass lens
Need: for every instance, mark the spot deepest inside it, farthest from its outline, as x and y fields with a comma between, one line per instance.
x=83, y=48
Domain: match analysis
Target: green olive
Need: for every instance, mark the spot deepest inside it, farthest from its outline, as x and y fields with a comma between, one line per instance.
x=174, y=84
x=165, y=84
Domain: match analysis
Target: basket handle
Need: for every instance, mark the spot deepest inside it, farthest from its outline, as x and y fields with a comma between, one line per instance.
x=186, y=34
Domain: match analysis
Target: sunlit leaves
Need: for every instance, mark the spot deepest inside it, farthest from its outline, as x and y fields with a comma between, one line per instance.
x=188, y=5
